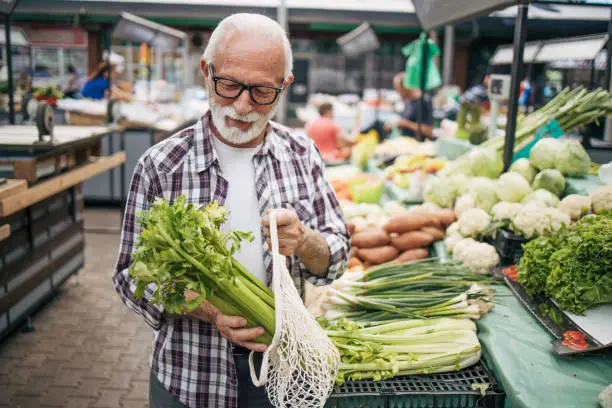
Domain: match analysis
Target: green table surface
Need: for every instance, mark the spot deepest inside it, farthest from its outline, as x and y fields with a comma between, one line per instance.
x=517, y=349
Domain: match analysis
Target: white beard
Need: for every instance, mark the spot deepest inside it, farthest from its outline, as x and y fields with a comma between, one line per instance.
x=233, y=134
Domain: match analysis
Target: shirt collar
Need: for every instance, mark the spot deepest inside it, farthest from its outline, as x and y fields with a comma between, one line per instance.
x=205, y=154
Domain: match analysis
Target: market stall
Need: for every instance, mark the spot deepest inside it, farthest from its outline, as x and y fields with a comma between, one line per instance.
x=41, y=206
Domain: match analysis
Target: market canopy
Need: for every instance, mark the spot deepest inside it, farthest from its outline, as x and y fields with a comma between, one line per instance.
x=577, y=48
x=18, y=38
x=437, y=13
x=7, y=6
x=134, y=28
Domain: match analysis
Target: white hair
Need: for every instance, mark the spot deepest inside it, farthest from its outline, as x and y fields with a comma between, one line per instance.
x=257, y=26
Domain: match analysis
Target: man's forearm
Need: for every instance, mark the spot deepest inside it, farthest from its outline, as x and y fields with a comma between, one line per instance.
x=314, y=252
x=426, y=130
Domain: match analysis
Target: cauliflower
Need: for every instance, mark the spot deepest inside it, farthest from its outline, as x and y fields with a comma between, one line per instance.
x=464, y=203
x=575, y=206
x=602, y=199
x=451, y=240
x=453, y=229
x=477, y=256
x=531, y=220
x=505, y=211
x=534, y=220
x=473, y=222
x=557, y=219
x=393, y=208
x=461, y=246
x=431, y=207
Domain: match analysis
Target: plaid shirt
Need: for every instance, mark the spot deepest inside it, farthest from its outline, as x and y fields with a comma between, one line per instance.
x=189, y=356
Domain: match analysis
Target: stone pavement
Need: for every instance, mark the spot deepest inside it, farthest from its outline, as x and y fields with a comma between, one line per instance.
x=88, y=349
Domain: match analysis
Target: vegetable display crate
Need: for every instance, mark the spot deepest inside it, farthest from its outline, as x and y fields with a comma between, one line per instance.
x=509, y=246
x=449, y=390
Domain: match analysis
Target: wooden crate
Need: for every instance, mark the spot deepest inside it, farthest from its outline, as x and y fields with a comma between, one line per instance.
x=85, y=119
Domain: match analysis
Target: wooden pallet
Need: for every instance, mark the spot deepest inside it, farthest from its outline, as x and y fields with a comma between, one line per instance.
x=36, y=168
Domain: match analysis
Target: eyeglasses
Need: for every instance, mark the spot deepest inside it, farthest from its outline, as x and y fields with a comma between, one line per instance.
x=230, y=89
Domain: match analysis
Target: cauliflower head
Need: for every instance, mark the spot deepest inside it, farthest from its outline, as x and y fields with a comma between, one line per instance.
x=473, y=222
x=576, y=206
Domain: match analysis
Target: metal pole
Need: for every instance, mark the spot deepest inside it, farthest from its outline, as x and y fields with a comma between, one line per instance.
x=608, y=128
x=517, y=67
x=449, y=54
x=421, y=107
x=9, y=69
x=281, y=16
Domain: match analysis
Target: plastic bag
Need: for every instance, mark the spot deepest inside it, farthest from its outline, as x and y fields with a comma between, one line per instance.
x=301, y=364
x=414, y=64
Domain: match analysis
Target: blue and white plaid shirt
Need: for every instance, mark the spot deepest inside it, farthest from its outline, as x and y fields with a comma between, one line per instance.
x=190, y=357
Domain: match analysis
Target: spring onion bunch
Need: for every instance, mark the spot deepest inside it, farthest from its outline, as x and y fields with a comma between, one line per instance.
x=415, y=290
x=181, y=247
x=404, y=347
x=571, y=108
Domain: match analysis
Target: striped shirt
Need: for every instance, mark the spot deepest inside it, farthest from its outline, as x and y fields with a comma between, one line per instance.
x=189, y=356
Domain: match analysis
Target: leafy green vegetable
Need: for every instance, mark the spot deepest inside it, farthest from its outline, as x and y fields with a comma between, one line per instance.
x=543, y=155
x=485, y=163
x=581, y=271
x=181, y=247
x=524, y=168
x=572, y=160
x=574, y=266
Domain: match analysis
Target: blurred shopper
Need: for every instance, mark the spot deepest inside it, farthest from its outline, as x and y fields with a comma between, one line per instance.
x=71, y=89
x=236, y=156
x=98, y=85
x=408, y=122
x=330, y=138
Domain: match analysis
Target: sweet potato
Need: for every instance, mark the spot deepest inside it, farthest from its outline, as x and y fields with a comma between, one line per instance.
x=412, y=240
x=380, y=255
x=447, y=217
x=436, y=233
x=353, y=253
x=410, y=222
x=412, y=255
x=351, y=228
x=370, y=239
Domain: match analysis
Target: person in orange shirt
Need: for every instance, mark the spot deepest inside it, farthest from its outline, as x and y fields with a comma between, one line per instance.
x=332, y=140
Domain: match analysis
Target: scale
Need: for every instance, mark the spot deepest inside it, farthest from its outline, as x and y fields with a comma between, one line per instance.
x=42, y=115
x=498, y=90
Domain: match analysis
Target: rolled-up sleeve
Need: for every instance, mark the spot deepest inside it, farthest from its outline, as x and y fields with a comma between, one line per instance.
x=140, y=196
x=329, y=221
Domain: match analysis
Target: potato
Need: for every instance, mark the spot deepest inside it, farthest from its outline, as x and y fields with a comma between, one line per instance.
x=380, y=255
x=447, y=217
x=410, y=222
x=436, y=233
x=370, y=239
x=412, y=255
x=412, y=240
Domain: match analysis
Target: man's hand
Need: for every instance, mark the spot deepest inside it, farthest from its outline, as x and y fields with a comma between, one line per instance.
x=388, y=127
x=291, y=232
x=230, y=327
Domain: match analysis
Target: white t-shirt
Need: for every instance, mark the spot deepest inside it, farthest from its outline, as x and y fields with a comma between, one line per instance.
x=237, y=168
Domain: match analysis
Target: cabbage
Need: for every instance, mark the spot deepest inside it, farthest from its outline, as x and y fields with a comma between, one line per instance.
x=543, y=155
x=440, y=191
x=485, y=163
x=551, y=180
x=525, y=169
x=512, y=187
x=482, y=190
x=460, y=183
x=572, y=160
x=543, y=196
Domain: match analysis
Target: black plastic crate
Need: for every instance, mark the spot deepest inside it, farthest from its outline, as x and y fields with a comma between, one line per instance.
x=509, y=246
x=448, y=390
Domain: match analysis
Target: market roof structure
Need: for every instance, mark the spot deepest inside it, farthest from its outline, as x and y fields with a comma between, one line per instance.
x=134, y=28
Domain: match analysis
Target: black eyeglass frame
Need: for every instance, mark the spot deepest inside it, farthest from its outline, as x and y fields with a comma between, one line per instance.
x=244, y=87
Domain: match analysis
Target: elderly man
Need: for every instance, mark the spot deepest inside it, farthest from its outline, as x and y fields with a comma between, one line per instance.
x=237, y=156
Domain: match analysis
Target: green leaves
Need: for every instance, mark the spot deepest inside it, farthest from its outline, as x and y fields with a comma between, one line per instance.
x=172, y=237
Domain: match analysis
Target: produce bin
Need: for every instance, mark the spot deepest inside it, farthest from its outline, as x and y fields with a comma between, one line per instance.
x=448, y=390
x=509, y=246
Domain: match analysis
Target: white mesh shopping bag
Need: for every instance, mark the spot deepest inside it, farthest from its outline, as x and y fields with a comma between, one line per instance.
x=301, y=363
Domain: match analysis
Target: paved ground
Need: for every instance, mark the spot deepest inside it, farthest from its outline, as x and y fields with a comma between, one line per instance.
x=88, y=349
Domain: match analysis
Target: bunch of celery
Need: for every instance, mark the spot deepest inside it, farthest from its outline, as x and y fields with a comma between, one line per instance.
x=404, y=347
x=181, y=247
x=571, y=108
x=416, y=290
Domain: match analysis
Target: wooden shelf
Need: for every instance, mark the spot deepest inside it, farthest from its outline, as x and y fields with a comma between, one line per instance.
x=12, y=187
x=23, y=199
